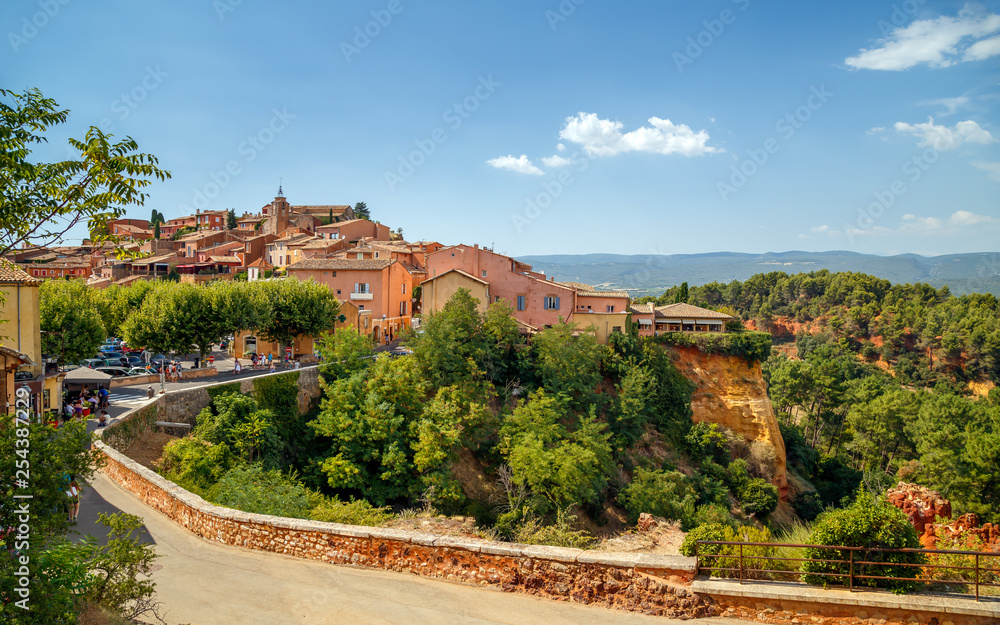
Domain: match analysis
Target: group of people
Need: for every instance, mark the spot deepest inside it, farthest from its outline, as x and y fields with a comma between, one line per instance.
x=268, y=362
x=89, y=402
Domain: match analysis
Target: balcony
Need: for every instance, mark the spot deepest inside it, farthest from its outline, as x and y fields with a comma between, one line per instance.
x=362, y=296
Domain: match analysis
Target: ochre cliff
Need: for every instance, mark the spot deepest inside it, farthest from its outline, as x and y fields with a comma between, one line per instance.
x=732, y=393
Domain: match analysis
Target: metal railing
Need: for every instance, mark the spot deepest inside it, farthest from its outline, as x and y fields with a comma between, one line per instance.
x=857, y=561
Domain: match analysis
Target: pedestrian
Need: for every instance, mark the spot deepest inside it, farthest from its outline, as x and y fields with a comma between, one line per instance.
x=73, y=492
x=68, y=410
x=78, y=409
x=149, y=392
x=104, y=397
x=103, y=419
x=273, y=368
x=253, y=360
x=270, y=358
x=238, y=367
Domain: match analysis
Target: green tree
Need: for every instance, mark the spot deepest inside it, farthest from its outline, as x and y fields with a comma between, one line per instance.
x=682, y=294
x=667, y=494
x=176, y=318
x=562, y=465
x=569, y=364
x=361, y=211
x=296, y=309
x=231, y=219
x=40, y=202
x=156, y=231
x=453, y=342
x=117, y=569
x=71, y=326
x=370, y=422
x=344, y=353
x=871, y=521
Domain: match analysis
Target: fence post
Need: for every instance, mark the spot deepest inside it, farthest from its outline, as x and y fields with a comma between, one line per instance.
x=741, y=565
x=977, y=577
x=851, y=582
x=697, y=560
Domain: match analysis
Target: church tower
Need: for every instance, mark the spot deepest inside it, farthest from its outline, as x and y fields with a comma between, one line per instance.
x=278, y=214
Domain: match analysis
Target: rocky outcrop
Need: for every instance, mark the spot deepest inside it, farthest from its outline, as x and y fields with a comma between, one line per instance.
x=731, y=392
x=925, y=507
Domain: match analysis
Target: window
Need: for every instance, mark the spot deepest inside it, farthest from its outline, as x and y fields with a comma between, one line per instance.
x=484, y=273
x=402, y=308
x=404, y=288
x=496, y=299
x=551, y=303
x=362, y=287
x=611, y=308
x=520, y=302
x=616, y=329
x=338, y=291
x=362, y=307
x=360, y=256
x=334, y=273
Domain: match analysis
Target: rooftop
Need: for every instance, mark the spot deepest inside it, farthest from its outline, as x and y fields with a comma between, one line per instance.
x=11, y=273
x=342, y=264
x=689, y=311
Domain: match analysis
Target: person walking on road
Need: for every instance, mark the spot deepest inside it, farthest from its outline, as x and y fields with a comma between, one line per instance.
x=73, y=492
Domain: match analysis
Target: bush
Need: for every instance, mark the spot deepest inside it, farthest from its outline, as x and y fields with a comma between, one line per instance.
x=252, y=489
x=753, y=557
x=353, y=512
x=706, y=441
x=713, y=514
x=667, y=494
x=195, y=464
x=869, y=522
x=562, y=533
x=808, y=505
x=758, y=497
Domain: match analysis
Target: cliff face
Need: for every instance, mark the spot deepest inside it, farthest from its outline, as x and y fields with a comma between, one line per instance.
x=733, y=394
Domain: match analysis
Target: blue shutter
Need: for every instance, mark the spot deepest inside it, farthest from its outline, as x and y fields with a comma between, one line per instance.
x=557, y=304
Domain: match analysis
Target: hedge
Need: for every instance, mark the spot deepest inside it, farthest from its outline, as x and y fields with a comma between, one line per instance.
x=751, y=346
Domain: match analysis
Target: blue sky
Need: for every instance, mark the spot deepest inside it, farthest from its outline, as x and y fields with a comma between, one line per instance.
x=550, y=127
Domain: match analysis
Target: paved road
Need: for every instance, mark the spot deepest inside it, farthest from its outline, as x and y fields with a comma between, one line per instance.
x=207, y=583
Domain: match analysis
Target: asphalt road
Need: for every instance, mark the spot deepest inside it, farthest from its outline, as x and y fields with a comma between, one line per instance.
x=207, y=583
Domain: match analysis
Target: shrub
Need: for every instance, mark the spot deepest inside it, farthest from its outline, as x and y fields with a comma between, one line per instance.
x=713, y=514
x=667, y=494
x=762, y=460
x=753, y=557
x=195, y=464
x=353, y=512
x=706, y=441
x=808, y=505
x=252, y=489
x=562, y=533
x=758, y=497
x=869, y=522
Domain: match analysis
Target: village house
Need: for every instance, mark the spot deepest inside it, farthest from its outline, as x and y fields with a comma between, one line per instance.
x=209, y=220
x=535, y=301
x=354, y=230
x=20, y=333
x=170, y=227
x=383, y=288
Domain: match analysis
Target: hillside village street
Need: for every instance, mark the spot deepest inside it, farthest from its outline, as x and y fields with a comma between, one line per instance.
x=201, y=582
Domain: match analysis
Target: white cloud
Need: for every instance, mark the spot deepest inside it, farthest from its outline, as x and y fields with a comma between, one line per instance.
x=555, y=161
x=823, y=228
x=993, y=169
x=950, y=104
x=983, y=49
x=520, y=164
x=965, y=218
x=945, y=138
x=603, y=137
x=937, y=42
x=561, y=147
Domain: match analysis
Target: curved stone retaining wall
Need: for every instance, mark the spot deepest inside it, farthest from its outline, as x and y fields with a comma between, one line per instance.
x=658, y=585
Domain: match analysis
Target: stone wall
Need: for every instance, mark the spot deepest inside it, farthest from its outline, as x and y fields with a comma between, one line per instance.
x=657, y=585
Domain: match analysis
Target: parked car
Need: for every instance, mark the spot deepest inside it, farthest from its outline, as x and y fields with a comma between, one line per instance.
x=117, y=372
x=135, y=361
x=93, y=362
x=141, y=371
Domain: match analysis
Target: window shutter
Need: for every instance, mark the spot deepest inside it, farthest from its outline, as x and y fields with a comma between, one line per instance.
x=557, y=303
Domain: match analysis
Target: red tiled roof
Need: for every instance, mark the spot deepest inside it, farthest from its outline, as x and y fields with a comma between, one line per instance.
x=689, y=312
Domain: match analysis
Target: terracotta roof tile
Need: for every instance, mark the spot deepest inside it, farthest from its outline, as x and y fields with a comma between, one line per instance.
x=688, y=311
x=342, y=264
x=12, y=273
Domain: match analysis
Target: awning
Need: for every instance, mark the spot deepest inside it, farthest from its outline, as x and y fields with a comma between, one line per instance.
x=84, y=375
x=645, y=322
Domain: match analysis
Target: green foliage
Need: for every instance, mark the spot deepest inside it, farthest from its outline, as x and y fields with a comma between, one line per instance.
x=726, y=556
x=233, y=388
x=750, y=346
x=41, y=201
x=705, y=441
x=561, y=533
x=564, y=466
x=568, y=365
x=251, y=488
x=117, y=569
x=670, y=403
x=808, y=505
x=370, y=421
x=71, y=326
x=58, y=582
x=361, y=211
x=667, y=494
x=353, y=512
x=195, y=464
x=296, y=308
x=758, y=497
x=870, y=522
x=182, y=232
x=344, y=353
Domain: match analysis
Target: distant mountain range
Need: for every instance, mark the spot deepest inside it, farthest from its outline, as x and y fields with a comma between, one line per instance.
x=647, y=274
